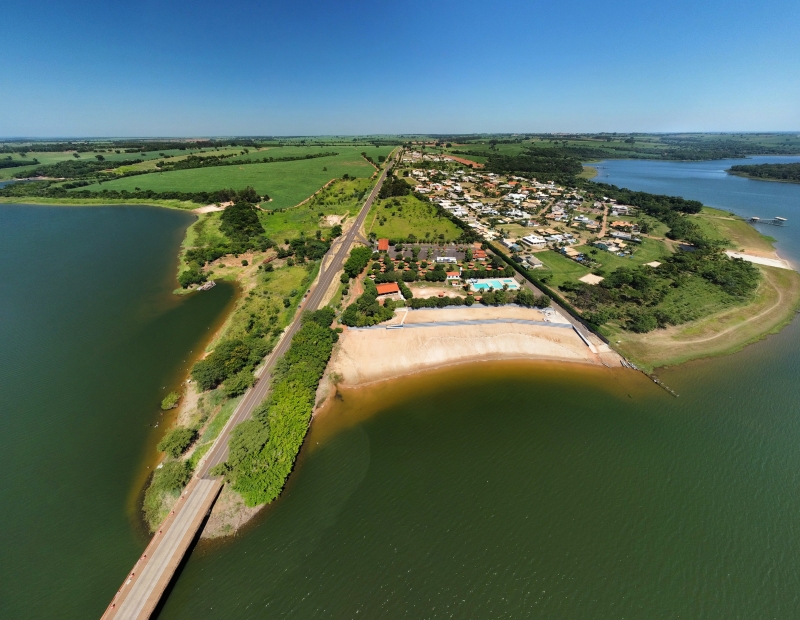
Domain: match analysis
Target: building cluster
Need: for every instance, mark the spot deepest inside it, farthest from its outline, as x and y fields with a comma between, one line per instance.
x=526, y=215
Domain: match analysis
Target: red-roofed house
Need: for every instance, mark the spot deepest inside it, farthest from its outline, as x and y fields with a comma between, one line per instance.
x=383, y=245
x=387, y=289
x=453, y=276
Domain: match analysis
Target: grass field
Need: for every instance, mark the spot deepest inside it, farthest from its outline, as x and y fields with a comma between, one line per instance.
x=723, y=332
x=287, y=183
x=742, y=236
x=648, y=251
x=560, y=268
x=339, y=198
x=397, y=218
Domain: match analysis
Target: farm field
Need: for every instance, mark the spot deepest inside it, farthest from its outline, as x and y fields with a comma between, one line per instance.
x=287, y=183
x=399, y=217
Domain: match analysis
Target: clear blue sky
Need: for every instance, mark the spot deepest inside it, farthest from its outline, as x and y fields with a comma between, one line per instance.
x=174, y=67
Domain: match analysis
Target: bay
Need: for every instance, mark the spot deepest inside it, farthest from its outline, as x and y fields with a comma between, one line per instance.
x=531, y=490
x=91, y=339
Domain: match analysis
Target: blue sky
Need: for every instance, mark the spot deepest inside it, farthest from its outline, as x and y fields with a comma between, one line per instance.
x=179, y=68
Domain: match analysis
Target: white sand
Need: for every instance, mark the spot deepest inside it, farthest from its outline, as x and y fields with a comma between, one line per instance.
x=368, y=355
x=760, y=260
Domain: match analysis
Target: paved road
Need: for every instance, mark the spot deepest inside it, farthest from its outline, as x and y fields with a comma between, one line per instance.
x=219, y=452
x=139, y=594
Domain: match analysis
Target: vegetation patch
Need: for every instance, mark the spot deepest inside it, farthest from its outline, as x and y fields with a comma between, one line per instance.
x=264, y=449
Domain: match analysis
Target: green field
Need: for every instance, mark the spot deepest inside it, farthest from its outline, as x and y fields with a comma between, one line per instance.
x=560, y=268
x=648, y=251
x=397, y=218
x=287, y=183
x=339, y=198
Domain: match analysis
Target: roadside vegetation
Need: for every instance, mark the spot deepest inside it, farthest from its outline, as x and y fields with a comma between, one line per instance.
x=263, y=450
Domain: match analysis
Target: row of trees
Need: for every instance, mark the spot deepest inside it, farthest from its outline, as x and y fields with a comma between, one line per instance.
x=263, y=450
x=47, y=189
x=195, y=161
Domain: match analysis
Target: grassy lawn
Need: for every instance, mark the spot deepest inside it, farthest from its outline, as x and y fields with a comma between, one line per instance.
x=287, y=183
x=560, y=268
x=397, y=218
x=648, y=251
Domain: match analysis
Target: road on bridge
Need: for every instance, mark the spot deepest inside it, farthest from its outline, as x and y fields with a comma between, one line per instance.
x=144, y=586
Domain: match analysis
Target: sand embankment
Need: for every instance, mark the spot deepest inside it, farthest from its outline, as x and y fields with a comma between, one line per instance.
x=432, y=338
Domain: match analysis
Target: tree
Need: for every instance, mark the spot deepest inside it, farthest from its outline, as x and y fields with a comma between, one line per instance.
x=177, y=441
x=100, y=158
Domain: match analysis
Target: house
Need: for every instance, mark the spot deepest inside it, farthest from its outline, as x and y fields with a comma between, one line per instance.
x=453, y=276
x=571, y=253
x=452, y=260
x=383, y=245
x=389, y=288
x=534, y=241
x=479, y=254
x=534, y=263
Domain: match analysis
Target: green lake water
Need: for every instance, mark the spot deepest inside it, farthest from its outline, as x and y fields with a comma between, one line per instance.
x=91, y=338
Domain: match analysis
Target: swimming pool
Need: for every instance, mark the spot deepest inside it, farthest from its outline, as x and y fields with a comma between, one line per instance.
x=496, y=284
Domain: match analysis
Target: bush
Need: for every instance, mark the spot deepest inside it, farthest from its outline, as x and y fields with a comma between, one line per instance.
x=170, y=401
x=344, y=279
x=191, y=276
x=229, y=358
x=177, y=441
x=168, y=480
x=358, y=259
x=238, y=383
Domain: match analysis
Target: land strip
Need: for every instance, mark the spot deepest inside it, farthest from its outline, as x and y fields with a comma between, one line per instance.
x=133, y=600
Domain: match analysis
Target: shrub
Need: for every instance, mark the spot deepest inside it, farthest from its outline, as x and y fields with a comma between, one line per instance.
x=238, y=383
x=177, y=441
x=170, y=401
x=191, y=276
x=168, y=480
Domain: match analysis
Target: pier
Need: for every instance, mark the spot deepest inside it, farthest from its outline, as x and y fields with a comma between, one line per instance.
x=775, y=221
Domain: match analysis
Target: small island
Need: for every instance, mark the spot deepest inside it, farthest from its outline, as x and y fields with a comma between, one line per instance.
x=788, y=173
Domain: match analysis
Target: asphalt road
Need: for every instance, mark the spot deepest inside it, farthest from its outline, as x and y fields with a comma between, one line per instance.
x=137, y=600
x=219, y=451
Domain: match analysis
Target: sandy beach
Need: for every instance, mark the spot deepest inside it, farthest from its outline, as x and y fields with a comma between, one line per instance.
x=433, y=338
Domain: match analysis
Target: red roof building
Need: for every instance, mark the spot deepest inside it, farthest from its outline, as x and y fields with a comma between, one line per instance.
x=383, y=245
x=388, y=288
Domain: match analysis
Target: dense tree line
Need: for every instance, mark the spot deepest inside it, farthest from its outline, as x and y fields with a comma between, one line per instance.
x=7, y=162
x=129, y=146
x=195, y=161
x=263, y=450
x=778, y=172
x=228, y=359
x=358, y=259
x=176, y=442
x=394, y=186
x=46, y=189
x=74, y=168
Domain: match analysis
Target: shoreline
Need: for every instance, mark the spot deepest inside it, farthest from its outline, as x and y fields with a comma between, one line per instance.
x=744, y=175
x=417, y=341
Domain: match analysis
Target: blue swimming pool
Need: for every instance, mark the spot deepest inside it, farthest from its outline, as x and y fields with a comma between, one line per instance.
x=496, y=284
